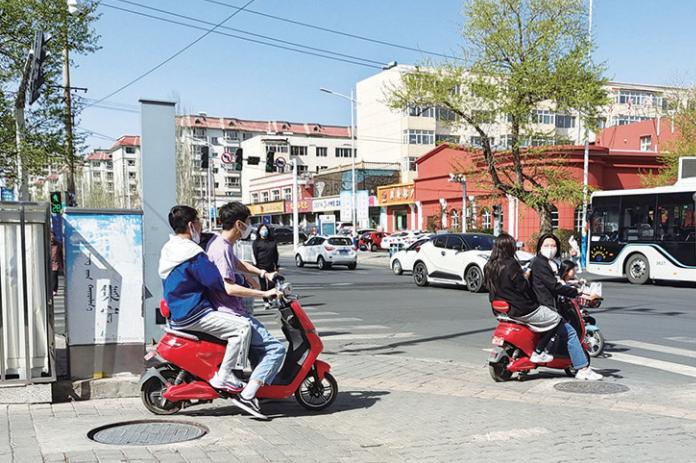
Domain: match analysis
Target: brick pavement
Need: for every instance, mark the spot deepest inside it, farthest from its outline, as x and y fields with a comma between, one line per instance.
x=390, y=408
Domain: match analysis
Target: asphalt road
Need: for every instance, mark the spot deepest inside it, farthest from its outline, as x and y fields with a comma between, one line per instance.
x=650, y=329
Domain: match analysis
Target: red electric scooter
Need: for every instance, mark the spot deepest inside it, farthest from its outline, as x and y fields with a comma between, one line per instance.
x=186, y=361
x=515, y=343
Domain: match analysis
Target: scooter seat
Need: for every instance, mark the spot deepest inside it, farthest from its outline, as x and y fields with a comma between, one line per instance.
x=506, y=319
x=195, y=336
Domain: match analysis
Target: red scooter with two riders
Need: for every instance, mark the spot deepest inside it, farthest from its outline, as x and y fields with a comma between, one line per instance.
x=515, y=342
x=184, y=362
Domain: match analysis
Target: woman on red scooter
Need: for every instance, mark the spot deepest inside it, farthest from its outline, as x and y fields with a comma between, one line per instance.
x=548, y=287
x=506, y=281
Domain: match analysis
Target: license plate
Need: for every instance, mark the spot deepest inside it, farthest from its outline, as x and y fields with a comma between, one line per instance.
x=343, y=251
x=497, y=341
x=150, y=355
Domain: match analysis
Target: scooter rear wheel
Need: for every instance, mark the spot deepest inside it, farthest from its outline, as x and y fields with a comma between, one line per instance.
x=499, y=371
x=317, y=396
x=152, y=390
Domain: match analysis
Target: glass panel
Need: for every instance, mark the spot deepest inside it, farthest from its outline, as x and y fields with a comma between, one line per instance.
x=605, y=218
x=454, y=242
x=638, y=218
x=480, y=242
x=676, y=217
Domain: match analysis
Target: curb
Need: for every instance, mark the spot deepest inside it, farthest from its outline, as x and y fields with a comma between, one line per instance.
x=119, y=387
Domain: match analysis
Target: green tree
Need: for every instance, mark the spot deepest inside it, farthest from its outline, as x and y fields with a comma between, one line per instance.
x=684, y=144
x=97, y=197
x=44, y=137
x=518, y=55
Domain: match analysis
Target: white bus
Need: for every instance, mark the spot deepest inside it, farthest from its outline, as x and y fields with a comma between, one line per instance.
x=646, y=234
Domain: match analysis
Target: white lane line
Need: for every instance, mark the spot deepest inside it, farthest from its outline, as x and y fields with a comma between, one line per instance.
x=683, y=339
x=324, y=313
x=342, y=284
x=351, y=337
x=348, y=319
x=355, y=327
x=657, y=348
x=670, y=367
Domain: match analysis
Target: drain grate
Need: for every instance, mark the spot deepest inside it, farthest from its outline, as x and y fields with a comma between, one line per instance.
x=147, y=432
x=590, y=387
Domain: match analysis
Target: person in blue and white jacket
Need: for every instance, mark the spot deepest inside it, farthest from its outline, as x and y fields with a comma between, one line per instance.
x=189, y=277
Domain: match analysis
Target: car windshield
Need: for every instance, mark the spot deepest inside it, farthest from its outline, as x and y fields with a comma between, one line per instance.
x=479, y=242
x=340, y=241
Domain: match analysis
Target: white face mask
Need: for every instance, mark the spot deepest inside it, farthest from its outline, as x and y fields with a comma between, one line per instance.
x=549, y=253
x=246, y=232
x=195, y=234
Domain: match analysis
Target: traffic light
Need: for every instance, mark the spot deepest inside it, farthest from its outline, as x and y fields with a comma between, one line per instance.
x=56, y=202
x=205, y=156
x=270, y=161
x=238, y=158
x=72, y=199
x=36, y=76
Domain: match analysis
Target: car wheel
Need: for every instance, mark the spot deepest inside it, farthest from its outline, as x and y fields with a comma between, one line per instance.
x=638, y=269
x=396, y=267
x=374, y=248
x=420, y=274
x=352, y=266
x=474, y=279
x=298, y=261
x=321, y=263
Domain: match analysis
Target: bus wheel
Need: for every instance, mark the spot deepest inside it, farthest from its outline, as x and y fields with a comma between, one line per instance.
x=638, y=269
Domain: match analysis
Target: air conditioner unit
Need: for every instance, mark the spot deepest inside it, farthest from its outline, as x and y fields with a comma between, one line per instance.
x=687, y=169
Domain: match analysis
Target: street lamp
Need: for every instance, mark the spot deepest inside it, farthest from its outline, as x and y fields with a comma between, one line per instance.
x=353, y=209
x=460, y=178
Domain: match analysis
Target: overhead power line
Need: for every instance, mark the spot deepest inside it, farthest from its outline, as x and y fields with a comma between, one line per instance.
x=333, y=31
x=247, y=39
x=274, y=39
x=170, y=58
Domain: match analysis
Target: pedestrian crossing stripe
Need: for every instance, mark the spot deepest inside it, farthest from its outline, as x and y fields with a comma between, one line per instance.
x=670, y=367
x=657, y=348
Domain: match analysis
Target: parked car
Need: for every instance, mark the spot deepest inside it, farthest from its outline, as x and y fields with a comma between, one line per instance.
x=456, y=259
x=403, y=260
x=326, y=251
x=371, y=240
x=393, y=239
x=283, y=235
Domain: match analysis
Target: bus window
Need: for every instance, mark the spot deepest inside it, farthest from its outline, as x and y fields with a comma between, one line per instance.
x=676, y=217
x=638, y=218
x=604, y=222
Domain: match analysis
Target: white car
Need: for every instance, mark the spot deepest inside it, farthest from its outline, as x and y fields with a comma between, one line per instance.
x=394, y=238
x=456, y=259
x=402, y=261
x=326, y=251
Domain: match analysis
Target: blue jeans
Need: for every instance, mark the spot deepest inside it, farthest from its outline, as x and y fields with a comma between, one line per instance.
x=265, y=352
x=575, y=350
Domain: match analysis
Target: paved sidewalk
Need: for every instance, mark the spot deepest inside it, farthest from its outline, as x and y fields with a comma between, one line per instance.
x=390, y=408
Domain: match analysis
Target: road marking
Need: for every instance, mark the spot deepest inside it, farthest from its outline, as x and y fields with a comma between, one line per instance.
x=670, y=367
x=657, y=348
x=683, y=339
x=323, y=313
x=348, y=319
x=355, y=327
x=342, y=284
x=351, y=337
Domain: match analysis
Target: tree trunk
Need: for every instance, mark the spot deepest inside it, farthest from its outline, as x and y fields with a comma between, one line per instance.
x=545, y=215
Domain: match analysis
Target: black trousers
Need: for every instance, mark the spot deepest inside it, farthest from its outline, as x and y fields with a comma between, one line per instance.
x=54, y=280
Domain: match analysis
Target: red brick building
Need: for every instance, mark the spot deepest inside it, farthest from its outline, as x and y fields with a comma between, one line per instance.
x=438, y=202
x=653, y=135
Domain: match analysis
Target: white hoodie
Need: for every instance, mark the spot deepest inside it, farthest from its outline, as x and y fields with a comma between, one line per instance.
x=174, y=252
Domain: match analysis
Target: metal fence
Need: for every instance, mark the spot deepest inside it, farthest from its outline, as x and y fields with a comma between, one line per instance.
x=27, y=343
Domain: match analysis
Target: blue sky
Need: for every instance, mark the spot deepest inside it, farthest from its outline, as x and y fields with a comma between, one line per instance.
x=640, y=41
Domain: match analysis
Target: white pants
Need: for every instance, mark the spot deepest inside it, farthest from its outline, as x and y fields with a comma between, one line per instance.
x=234, y=329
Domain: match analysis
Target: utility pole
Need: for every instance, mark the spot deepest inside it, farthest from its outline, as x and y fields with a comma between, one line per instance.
x=69, y=149
x=295, y=213
x=22, y=180
x=586, y=166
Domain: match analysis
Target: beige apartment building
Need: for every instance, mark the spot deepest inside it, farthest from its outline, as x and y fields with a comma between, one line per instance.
x=402, y=136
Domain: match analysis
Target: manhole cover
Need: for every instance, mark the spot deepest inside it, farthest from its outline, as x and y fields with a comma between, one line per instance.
x=147, y=432
x=590, y=387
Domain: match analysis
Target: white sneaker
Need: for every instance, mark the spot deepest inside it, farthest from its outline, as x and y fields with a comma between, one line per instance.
x=587, y=374
x=544, y=357
x=233, y=387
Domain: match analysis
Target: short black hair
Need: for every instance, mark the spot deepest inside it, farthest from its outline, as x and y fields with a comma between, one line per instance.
x=566, y=266
x=546, y=236
x=231, y=212
x=180, y=217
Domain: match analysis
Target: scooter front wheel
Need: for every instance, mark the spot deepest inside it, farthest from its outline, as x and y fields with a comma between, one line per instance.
x=315, y=396
x=595, y=341
x=152, y=392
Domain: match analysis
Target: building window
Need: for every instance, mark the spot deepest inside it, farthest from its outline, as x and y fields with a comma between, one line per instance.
x=478, y=141
x=246, y=135
x=486, y=219
x=441, y=138
x=302, y=169
x=578, y=219
x=455, y=219
x=601, y=122
x=231, y=135
x=541, y=141
x=287, y=194
x=640, y=98
x=131, y=163
x=217, y=185
x=542, y=117
x=130, y=150
x=421, y=111
x=645, y=143
x=412, y=166
x=109, y=165
x=231, y=182
x=110, y=176
x=343, y=152
x=214, y=141
x=276, y=148
x=215, y=170
x=298, y=151
x=322, y=168
x=624, y=119
x=322, y=151
x=563, y=121
x=254, y=198
x=264, y=197
x=554, y=218
x=419, y=137
x=199, y=133
x=483, y=117
x=131, y=175
x=275, y=195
